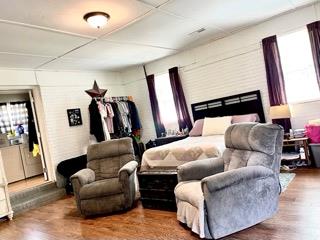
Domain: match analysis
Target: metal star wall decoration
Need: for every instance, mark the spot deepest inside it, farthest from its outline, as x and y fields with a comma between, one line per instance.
x=96, y=91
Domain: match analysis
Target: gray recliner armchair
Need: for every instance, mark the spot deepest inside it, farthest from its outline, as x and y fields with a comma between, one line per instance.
x=108, y=183
x=220, y=196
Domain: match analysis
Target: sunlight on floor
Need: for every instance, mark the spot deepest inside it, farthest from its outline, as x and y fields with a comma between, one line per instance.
x=26, y=183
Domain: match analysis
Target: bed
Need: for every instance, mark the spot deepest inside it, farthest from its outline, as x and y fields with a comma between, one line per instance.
x=171, y=155
x=189, y=149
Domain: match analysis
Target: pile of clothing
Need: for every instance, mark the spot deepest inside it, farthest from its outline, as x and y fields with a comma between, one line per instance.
x=113, y=119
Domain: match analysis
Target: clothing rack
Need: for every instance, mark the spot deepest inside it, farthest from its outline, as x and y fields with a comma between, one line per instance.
x=113, y=117
x=115, y=99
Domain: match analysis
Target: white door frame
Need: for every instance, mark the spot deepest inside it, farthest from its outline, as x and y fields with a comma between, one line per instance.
x=44, y=148
x=39, y=117
x=39, y=136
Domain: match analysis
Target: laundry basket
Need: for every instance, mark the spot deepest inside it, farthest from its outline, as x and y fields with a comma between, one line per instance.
x=315, y=151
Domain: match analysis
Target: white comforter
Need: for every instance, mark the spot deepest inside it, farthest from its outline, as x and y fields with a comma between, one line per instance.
x=189, y=149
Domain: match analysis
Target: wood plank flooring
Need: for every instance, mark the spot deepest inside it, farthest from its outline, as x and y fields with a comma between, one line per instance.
x=298, y=218
x=26, y=183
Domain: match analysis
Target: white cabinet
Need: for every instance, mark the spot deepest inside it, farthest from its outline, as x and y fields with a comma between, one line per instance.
x=19, y=163
x=12, y=163
x=5, y=206
x=32, y=165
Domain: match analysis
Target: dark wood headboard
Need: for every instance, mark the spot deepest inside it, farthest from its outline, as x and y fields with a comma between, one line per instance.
x=239, y=104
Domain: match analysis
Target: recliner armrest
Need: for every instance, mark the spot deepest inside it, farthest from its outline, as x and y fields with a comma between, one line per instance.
x=235, y=176
x=128, y=168
x=199, y=169
x=84, y=176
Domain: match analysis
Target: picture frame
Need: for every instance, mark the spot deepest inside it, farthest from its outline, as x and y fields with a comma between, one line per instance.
x=74, y=117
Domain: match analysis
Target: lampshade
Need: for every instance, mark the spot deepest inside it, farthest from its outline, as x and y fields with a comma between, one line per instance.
x=280, y=112
x=97, y=19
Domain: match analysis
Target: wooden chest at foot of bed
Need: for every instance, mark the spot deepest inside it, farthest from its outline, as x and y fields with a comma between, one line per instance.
x=157, y=189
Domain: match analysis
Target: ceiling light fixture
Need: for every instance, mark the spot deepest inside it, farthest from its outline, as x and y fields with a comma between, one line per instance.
x=97, y=19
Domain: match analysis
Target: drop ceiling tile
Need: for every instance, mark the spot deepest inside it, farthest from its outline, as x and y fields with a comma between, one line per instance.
x=317, y=10
x=103, y=55
x=68, y=15
x=26, y=40
x=21, y=61
x=101, y=49
x=299, y=3
x=228, y=15
x=74, y=64
x=159, y=29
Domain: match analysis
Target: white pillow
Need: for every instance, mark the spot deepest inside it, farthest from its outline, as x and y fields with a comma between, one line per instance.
x=216, y=126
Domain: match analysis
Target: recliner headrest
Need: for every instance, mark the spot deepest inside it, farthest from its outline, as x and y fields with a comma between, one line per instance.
x=253, y=137
x=110, y=148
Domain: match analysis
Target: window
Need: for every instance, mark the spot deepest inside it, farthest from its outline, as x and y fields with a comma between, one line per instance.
x=298, y=67
x=166, y=102
x=5, y=125
x=13, y=115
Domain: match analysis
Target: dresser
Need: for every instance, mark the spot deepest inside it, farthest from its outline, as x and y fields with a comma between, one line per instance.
x=157, y=189
x=5, y=206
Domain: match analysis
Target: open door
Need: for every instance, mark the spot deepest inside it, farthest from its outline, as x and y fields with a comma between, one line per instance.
x=43, y=160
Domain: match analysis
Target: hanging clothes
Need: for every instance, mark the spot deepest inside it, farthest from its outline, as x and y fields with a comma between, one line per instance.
x=110, y=115
x=96, y=127
x=114, y=118
x=33, y=139
x=117, y=120
x=104, y=116
x=124, y=112
x=134, y=116
x=135, y=120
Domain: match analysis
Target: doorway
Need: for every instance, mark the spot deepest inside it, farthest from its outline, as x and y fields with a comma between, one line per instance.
x=20, y=141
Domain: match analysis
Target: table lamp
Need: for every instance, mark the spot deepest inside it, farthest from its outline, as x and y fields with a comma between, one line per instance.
x=279, y=113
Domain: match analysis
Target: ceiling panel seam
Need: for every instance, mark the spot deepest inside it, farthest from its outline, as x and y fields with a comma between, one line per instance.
x=138, y=44
x=26, y=54
x=150, y=5
x=45, y=28
x=43, y=64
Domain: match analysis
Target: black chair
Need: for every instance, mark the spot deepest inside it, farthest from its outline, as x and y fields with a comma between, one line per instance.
x=69, y=167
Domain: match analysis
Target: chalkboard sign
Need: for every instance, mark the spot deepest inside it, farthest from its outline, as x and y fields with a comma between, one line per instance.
x=74, y=117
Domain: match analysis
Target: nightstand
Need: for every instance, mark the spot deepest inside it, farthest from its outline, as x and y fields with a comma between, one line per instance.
x=297, y=143
x=157, y=189
x=165, y=140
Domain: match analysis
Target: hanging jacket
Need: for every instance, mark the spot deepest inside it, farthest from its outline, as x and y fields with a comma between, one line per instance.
x=110, y=116
x=33, y=139
x=124, y=111
x=135, y=120
x=117, y=120
x=104, y=116
x=96, y=127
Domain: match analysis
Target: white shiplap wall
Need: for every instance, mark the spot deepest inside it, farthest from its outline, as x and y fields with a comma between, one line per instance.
x=61, y=91
x=139, y=91
x=236, y=74
x=303, y=112
x=239, y=73
x=224, y=67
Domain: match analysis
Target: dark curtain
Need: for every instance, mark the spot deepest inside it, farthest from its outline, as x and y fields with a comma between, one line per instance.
x=314, y=35
x=275, y=80
x=155, y=106
x=179, y=100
